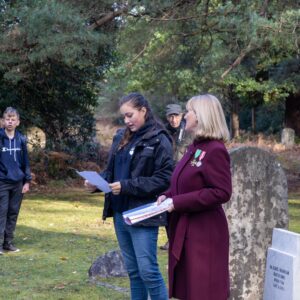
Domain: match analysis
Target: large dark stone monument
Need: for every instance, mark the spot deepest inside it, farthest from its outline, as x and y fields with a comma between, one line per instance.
x=258, y=204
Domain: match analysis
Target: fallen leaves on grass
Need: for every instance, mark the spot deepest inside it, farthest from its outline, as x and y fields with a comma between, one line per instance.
x=63, y=258
x=60, y=286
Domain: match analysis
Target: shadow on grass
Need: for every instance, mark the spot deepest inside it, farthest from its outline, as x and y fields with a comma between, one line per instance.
x=55, y=263
x=33, y=239
x=94, y=200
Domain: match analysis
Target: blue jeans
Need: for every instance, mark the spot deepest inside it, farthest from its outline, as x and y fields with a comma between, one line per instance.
x=139, y=248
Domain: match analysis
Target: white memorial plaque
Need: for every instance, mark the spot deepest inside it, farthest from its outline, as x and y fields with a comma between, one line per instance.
x=282, y=280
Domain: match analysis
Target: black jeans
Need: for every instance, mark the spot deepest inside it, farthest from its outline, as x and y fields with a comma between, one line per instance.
x=10, y=203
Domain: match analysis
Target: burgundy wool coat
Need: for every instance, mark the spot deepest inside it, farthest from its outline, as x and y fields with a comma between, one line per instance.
x=198, y=229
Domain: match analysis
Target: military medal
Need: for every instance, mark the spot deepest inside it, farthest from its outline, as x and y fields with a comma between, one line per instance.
x=198, y=156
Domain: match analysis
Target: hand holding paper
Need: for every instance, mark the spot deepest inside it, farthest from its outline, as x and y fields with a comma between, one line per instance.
x=161, y=199
x=115, y=187
x=95, y=179
x=146, y=211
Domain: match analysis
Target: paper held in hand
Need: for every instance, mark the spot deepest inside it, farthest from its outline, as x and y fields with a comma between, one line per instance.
x=144, y=212
x=95, y=179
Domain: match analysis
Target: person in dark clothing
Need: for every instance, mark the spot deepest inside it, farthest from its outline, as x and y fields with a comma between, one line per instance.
x=175, y=127
x=174, y=116
x=14, y=177
x=139, y=168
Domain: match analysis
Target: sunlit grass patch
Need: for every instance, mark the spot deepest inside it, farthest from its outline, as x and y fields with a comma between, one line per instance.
x=60, y=235
x=294, y=212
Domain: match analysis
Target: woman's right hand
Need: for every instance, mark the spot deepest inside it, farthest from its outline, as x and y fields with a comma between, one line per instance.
x=161, y=199
x=90, y=187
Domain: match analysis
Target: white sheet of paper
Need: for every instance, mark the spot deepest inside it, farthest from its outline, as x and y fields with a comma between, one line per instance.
x=146, y=211
x=95, y=179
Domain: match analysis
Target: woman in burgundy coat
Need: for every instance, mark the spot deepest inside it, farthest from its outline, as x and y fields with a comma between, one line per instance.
x=200, y=184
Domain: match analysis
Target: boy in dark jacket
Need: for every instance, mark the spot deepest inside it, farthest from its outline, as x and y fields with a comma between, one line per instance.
x=14, y=177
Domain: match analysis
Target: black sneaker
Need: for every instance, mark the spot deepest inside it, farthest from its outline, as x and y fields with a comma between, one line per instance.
x=10, y=247
x=165, y=246
x=1, y=250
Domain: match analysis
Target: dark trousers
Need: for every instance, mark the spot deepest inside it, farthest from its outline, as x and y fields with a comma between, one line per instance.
x=10, y=203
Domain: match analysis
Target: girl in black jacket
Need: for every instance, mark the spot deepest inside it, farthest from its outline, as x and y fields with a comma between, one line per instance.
x=139, y=168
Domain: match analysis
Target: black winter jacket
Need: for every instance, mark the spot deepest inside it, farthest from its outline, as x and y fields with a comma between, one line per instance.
x=150, y=172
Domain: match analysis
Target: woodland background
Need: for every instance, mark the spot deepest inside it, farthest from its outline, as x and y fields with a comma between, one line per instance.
x=64, y=65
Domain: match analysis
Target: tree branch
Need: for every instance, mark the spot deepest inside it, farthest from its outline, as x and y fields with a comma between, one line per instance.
x=108, y=17
x=129, y=65
x=176, y=19
x=238, y=59
x=263, y=10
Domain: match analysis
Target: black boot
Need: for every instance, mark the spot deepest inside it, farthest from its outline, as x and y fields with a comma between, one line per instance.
x=8, y=246
x=165, y=246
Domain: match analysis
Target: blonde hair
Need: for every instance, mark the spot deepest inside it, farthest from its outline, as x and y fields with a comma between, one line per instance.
x=210, y=117
x=10, y=111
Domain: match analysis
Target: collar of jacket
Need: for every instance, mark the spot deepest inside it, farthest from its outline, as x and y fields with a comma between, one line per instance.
x=145, y=140
x=154, y=131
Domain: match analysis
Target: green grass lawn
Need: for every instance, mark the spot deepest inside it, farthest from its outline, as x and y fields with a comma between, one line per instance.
x=294, y=212
x=60, y=235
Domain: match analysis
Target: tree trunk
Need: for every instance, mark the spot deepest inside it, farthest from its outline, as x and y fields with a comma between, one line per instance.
x=292, y=113
x=253, y=119
x=235, y=122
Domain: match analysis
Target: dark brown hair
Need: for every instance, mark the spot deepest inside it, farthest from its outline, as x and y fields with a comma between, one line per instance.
x=138, y=101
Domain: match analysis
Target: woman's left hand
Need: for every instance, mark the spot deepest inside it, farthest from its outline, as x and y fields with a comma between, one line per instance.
x=161, y=199
x=115, y=187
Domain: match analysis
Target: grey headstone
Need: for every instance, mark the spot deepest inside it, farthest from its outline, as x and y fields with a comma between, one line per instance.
x=258, y=204
x=110, y=264
x=288, y=137
x=282, y=280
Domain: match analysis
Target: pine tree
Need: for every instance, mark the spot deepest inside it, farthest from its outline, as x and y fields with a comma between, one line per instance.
x=50, y=62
